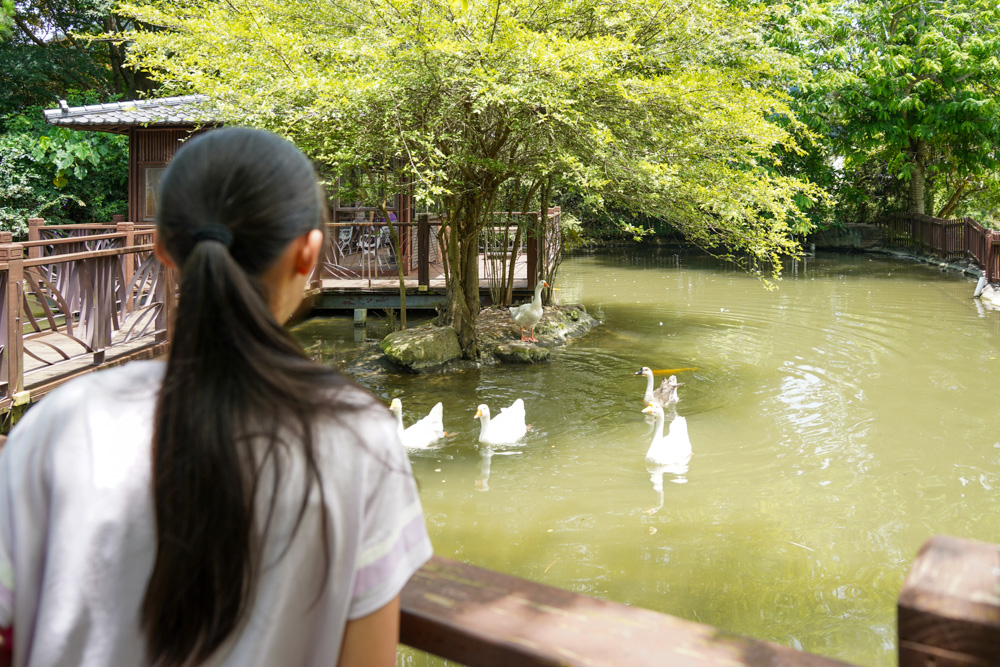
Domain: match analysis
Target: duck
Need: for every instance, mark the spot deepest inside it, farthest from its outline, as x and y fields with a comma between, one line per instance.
x=506, y=428
x=673, y=448
x=422, y=433
x=663, y=395
x=526, y=316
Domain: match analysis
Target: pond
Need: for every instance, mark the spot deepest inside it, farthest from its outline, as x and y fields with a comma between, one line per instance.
x=837, y=422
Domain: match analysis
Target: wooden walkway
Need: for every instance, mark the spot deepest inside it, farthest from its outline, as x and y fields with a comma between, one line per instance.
x=106, y=277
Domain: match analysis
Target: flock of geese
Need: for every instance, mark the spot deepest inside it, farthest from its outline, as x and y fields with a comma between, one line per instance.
x=668, y=452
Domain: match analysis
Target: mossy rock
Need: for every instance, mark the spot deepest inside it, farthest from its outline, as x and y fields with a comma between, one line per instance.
x=423, y=348
x=516, y=352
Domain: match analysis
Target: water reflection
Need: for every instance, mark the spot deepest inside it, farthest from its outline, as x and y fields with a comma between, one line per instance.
x=485, y=459
x=486, y=454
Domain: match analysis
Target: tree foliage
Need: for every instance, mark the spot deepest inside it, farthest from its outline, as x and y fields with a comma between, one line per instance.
x=911, y=84
x=666, y=108
x=49, y=48
x=59, y=174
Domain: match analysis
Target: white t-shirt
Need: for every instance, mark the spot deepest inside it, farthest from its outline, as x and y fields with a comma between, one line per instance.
x=78, y=541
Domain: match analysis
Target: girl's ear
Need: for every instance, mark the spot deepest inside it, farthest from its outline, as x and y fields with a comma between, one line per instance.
x=309, y=251
x=161, y=254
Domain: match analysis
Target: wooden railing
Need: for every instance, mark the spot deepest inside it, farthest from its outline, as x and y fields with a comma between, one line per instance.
x=948, y=239
x=71, y=298
x=363, y=250
x=949, y=614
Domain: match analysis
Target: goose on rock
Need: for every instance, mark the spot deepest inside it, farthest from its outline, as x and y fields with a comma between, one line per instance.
x=527, y=315
x=506, y=428
x=423, y=433
x=663, y=395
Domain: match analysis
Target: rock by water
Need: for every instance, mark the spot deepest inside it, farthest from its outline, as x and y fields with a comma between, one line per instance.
x=429, y=348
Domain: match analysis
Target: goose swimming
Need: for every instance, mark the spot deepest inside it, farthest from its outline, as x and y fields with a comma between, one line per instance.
x=675, y=447
x=422, y=433
x=663, y=395
x=506, y=428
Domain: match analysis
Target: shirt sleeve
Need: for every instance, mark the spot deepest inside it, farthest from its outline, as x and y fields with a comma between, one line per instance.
x=394, y=542
x=6, y=563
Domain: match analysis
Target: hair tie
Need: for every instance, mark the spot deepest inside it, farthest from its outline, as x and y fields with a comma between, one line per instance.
x=213, y=231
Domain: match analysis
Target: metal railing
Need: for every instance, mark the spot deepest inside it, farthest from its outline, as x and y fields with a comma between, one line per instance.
x=948, y=239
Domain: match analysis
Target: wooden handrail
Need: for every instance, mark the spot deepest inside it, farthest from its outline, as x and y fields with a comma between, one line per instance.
x=483, y=618
x=949, y=615
x=87, y=254
x=72, y=239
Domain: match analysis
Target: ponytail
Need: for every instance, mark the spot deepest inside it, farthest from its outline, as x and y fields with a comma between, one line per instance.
x=237, y=391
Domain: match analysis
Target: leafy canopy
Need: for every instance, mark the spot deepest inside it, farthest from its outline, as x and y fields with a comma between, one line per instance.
x=668, y=108
x=915, y=81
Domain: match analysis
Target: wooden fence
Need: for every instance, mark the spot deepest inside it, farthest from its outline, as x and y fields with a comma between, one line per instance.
x=364, y=250
x=948, y=616
x=74, y=297
x=948, y=239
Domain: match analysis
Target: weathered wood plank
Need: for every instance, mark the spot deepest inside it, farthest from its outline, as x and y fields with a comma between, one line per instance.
x=483, y=618
x=949, y=608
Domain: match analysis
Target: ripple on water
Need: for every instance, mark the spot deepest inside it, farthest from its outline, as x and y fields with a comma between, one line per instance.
x=835, y=422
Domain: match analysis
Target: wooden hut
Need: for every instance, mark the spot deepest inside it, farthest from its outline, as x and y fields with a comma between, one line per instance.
x=155, y=129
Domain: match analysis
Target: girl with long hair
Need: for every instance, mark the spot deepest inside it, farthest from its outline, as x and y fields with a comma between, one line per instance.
x=238, y=504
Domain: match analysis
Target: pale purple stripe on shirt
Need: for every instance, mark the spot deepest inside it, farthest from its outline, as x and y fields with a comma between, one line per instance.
x=378, y=571
x=6, y=599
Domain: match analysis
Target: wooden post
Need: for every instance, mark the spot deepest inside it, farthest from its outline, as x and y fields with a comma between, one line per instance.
x=12, y=254
x=949, y=608
x=35, y=234
x=423, y=252
x=166, y=290
x=128, y=259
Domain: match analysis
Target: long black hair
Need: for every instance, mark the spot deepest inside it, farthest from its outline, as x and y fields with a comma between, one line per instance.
x=237, y=391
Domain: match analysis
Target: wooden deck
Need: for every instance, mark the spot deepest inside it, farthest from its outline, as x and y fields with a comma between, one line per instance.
x=382, y=290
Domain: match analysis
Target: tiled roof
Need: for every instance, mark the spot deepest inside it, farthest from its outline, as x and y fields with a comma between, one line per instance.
x=119, y=116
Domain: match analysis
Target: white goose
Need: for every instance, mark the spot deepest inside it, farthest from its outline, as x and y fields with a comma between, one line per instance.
x=526, y=316
x=506, y=428
x=673, y=448
x=423, y=433
x=663, y=395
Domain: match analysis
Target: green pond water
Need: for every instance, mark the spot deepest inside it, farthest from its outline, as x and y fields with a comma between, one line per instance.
x=837, y=422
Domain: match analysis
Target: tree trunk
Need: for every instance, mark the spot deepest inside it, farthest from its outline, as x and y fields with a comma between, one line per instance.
x=949, y=209
x=918, y=156
x=394, y=240
x=542, y=231
x=508, y=297
x=463, y=288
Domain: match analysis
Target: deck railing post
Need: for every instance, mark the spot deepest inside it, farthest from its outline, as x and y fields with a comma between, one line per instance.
x=992, y=256
x=12, y=254
x=128, y=258
x=165, y=294
x=35, y=234
x=949, y=607
x=423, y=252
